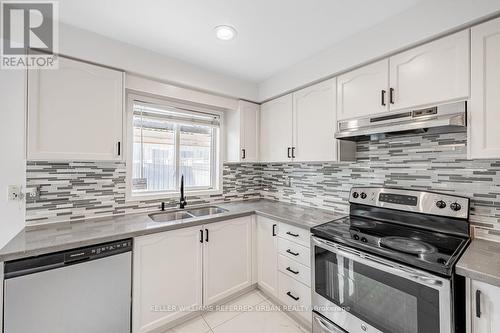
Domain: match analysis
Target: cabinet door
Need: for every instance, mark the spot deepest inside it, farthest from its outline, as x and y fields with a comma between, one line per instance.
x=75, y=112
x=276, y=130
x=484, y=112
x=167, y=272
x=227, y=258
x=430, y=74
x=363, y=91
x=489, y=300
x=250, y=131
x=314, y=121
x=267, y=255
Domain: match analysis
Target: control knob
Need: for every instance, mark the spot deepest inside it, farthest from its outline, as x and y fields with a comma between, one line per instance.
x=355, y=195
x=455, y=206
x=356, y=237
x=364, y=240
x=441, y=204
x=363, y=195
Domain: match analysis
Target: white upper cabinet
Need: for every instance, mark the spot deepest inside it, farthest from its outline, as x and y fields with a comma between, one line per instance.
x=314, y=122
x=242, y=133
x=167, y=271
x=276, y=130
x=484, y=111
x=363, y=91
x=433, y=73
x=75, y=112
x=227, y=258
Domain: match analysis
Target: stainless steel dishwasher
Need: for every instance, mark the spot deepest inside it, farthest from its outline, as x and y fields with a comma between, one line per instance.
x=85, y=290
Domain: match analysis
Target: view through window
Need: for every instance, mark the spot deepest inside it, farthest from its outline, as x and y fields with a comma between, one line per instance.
x=169, y=142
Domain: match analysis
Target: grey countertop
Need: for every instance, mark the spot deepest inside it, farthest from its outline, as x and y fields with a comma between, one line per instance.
x=63, y=236
x=481, y=262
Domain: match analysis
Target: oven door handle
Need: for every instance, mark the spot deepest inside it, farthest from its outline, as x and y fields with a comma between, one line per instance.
x=382, y=264
x=327, y=327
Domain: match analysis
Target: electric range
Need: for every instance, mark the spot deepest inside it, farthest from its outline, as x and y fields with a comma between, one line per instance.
x=389, y=265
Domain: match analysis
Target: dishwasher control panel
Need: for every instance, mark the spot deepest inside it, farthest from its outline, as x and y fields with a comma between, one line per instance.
x=98, y=251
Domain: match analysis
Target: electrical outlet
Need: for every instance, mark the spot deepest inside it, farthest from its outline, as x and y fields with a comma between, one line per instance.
x=33, y=193
x=14, y=192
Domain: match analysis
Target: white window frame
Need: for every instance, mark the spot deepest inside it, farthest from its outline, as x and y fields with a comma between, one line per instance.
x=129, y=130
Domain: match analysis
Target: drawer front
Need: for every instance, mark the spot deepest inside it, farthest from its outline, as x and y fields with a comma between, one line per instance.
x=295, y=295
x=295, y=270
x=295, y=251
x=294, y=234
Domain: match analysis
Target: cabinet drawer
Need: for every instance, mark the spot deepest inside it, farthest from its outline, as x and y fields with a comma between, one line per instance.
x=294, y=251
x=295, y=295
x=295, y=234
x=295, y=270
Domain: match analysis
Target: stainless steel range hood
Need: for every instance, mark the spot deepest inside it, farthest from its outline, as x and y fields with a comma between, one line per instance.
x=445, y=118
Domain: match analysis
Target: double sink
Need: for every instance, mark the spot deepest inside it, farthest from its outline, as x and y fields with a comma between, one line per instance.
x=181, y=214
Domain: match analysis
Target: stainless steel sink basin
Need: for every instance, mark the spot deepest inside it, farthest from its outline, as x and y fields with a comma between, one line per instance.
x=171, y=216
x=203, y=211
x=181, y=214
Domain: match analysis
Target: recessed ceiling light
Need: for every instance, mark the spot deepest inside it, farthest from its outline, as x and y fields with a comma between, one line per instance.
x=225, y=32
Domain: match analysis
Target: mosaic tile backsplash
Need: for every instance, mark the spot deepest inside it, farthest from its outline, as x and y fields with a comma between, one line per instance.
x=431, y=162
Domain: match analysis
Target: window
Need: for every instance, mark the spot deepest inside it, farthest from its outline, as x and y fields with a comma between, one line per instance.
x=170, y=141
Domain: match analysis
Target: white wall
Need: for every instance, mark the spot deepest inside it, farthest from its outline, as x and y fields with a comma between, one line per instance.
x=12, y=150
x=93, y=47
x=427, y=19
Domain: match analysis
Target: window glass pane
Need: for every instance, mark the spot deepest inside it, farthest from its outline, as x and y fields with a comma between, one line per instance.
x=158, y=155
x=196, y=155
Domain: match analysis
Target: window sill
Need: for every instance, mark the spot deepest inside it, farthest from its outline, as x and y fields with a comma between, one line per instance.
x=169, y=195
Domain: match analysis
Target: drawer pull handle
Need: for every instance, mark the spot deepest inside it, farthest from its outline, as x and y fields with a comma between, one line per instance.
x=292, y=253
x=292, y=234
x=295, y=298
x=478, y=303
x=292, y=271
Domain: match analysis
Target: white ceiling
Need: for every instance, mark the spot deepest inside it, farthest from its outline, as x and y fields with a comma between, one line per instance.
x=272, y=34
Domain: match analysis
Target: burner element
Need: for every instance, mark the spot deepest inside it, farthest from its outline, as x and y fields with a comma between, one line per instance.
x=407, y=245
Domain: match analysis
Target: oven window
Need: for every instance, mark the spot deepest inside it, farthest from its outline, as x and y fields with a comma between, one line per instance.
x=388, y=302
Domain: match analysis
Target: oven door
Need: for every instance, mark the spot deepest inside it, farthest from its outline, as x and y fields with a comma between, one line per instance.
x=364, y=293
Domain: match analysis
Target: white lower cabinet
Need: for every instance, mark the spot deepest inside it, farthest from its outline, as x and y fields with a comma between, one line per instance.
x=267, y=255
x=167, y=272
x=295, y=295
x=188, y=268
x=227, y=258
x=284, y=265
x=486, y=317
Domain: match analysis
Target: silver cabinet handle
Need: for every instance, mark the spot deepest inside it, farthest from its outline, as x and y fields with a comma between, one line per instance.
x=327, y=327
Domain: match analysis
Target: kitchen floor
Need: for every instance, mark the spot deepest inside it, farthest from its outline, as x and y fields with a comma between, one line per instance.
x=250, y=313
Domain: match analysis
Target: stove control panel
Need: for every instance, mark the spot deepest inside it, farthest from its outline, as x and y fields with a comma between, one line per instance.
x=411, y=200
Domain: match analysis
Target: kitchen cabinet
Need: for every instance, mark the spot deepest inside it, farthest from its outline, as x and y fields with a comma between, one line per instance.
x=314, y=122
x=167, y=271
x=276, y=126
x=432, y=73
x=484, y=110
x=242, y=133
x=486, y=318
x=363, y=91
x=267, y=255
x=300, y=127
x=227, y=258
x=75, y=112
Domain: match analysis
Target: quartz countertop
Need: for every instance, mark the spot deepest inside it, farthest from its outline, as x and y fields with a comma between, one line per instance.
x=49, y=238
x=481, y=262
